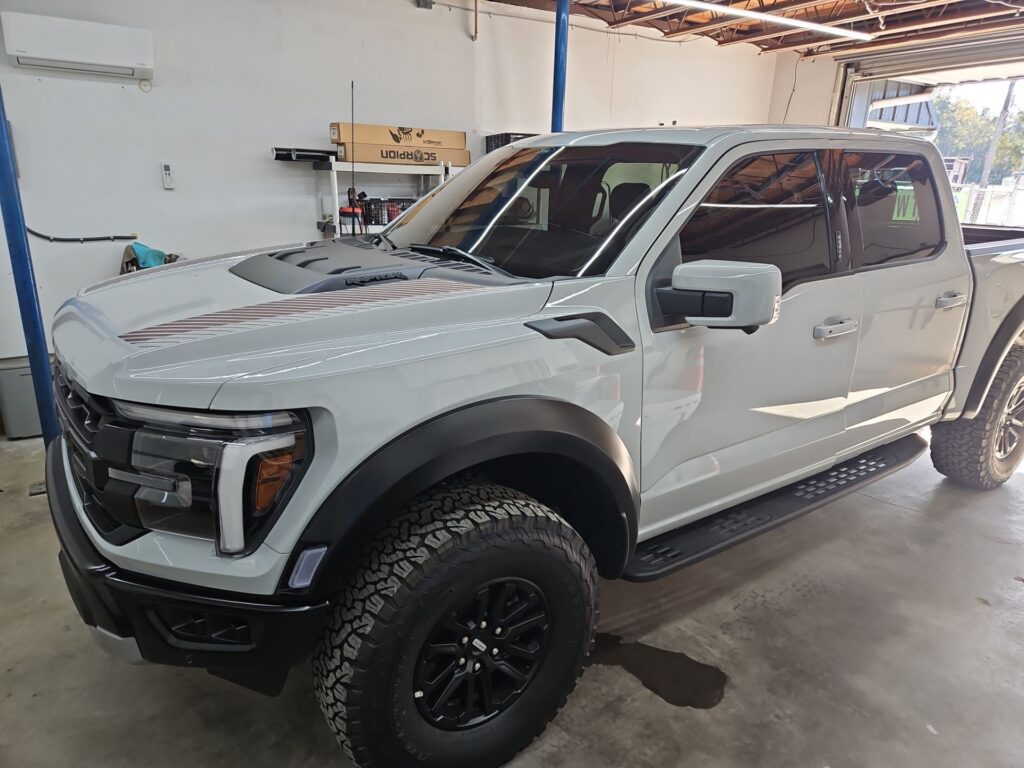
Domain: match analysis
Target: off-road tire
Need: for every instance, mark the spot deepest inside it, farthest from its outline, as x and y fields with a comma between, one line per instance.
x=411, y=573
x=965, y=450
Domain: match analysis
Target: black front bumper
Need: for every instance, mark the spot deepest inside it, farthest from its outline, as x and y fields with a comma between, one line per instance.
x=248, y=642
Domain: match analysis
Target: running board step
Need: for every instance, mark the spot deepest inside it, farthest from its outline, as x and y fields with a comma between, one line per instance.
x=710, y=535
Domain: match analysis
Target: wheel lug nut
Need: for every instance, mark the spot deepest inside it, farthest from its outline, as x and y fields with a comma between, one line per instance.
x=476, y=667
x=462, y=661
x=483, y=625
x=465, y=641
x=494, y=651
x=497, y=630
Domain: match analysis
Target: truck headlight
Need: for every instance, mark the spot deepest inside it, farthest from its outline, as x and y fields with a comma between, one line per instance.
x=187, y=464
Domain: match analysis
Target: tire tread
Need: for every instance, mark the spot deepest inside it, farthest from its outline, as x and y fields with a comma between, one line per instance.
x=412, y=546
x=963, y=450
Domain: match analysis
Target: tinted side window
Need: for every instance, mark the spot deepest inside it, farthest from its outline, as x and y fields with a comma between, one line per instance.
x=896, y=213
x=767, y=209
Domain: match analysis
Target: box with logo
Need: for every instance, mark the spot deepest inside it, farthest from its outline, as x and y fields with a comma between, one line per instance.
x=400, y=155
x=342, y=133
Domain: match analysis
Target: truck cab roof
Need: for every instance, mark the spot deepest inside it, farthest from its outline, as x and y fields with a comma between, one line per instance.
x=704, y=135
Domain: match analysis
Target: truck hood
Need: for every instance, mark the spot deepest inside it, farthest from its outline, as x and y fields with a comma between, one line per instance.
x=175, y=335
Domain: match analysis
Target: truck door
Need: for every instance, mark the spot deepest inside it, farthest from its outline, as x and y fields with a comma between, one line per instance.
x=726, y=415
x=916, y=285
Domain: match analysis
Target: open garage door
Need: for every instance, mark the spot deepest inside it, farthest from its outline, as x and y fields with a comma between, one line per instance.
x=941, y=54
x=892, y=89
x=889, y=87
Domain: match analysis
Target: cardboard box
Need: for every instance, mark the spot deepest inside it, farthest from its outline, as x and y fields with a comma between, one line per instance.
x=401, y=155
x=341, y=133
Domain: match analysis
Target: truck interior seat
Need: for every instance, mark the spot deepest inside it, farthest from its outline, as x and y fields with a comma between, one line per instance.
x=625, y=197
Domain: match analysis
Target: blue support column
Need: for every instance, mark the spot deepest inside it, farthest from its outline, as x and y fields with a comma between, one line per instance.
x=561, y=63
x=25, y=282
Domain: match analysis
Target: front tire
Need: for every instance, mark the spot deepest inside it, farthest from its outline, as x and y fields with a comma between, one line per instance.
x=461, y=632
x=984, y=452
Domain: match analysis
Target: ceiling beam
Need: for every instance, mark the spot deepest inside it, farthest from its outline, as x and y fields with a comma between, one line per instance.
x=639, y=18
x=779, y=9
x=932, y=37
x=888, y=11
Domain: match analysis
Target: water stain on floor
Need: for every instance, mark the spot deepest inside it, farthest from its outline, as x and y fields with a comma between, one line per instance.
x=671, y=675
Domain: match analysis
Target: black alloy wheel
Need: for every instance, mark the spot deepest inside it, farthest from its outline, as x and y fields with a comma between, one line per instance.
x=1011, y=426
x=482, y=655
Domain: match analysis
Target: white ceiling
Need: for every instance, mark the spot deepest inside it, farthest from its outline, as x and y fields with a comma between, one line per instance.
x=973, y=74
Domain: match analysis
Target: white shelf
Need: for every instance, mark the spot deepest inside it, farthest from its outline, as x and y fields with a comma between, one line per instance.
x=442, y=171
x=339, y=166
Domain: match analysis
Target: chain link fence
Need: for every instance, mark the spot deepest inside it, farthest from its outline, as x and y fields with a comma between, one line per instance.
x=995, y=205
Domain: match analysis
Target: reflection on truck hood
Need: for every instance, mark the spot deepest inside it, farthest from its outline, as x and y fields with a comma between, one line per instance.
x=198, y=324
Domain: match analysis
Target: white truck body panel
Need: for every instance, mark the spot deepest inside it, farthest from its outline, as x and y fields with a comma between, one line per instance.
x=709, y=417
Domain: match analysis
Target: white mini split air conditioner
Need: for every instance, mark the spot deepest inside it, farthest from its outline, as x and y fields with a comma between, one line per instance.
x=70, y=45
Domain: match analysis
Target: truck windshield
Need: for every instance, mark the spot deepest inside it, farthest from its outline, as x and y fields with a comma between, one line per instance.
x=543, y=212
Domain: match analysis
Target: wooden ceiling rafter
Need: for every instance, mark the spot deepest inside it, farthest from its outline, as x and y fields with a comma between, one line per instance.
x=724, y=22
x=925, y=5
x=892, y=23
x=908, y=39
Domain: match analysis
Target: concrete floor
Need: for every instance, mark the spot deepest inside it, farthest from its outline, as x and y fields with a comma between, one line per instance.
x=884, y=630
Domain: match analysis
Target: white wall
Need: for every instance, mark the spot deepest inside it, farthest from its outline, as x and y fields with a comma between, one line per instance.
x=234, y=77
x=802, y=90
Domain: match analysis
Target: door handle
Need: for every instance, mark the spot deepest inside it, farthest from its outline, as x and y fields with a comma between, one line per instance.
x=950, y=300
x=831, y=330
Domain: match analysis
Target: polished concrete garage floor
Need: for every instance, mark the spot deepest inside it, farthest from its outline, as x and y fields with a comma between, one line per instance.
x=884, y=630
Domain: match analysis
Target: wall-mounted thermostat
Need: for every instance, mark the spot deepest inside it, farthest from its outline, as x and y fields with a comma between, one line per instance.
x=166, y=175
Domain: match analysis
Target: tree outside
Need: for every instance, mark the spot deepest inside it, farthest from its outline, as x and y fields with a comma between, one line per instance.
x=965, y=130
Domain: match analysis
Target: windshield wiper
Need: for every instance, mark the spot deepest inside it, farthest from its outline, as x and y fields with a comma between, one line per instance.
x=457, y=254
x=381, y=237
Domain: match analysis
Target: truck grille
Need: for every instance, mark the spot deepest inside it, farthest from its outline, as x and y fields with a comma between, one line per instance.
x=78, y=412
x=81, y=418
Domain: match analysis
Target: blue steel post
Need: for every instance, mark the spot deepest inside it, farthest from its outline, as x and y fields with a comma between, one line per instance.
x=561, y=62
x=25, y=282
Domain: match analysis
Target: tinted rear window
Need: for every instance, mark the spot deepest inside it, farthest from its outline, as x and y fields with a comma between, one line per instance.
x=896, y=217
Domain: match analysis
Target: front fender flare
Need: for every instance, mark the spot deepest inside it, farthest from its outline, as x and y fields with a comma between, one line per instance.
x=455, y=442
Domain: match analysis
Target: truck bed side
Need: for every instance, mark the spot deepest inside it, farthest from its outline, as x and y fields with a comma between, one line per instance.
x=996, y=319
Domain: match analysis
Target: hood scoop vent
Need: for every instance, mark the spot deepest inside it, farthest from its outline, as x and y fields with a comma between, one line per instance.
x=336, y=265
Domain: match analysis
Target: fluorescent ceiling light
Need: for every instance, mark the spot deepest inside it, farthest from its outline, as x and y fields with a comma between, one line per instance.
x=784, y=21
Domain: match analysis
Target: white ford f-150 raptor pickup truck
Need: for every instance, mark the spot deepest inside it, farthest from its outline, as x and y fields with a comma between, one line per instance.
x=409, y=456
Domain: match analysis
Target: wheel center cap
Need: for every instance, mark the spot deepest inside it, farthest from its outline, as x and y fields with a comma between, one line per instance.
x=479, y=645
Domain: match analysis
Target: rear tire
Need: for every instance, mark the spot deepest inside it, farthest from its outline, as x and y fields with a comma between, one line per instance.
x=437, y=604
x=983, y=452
